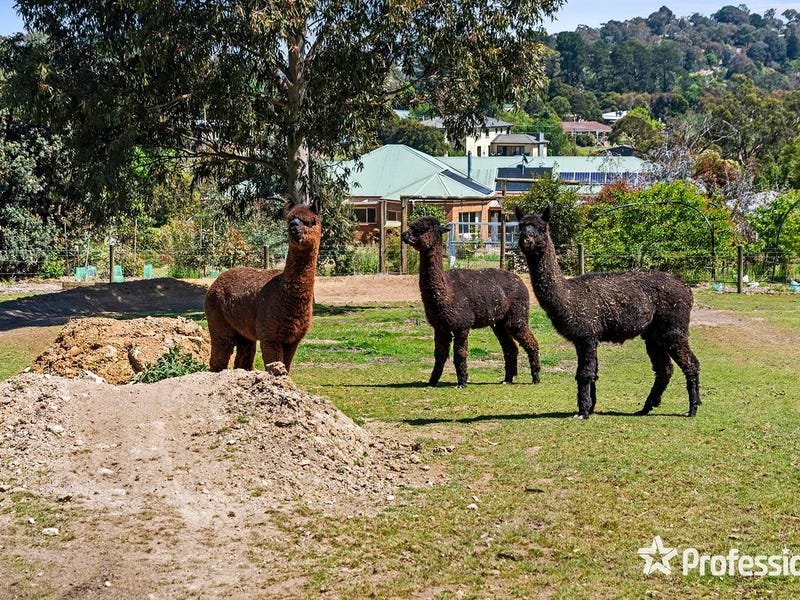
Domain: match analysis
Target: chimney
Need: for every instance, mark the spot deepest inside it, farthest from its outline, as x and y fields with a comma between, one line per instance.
x=469, y=164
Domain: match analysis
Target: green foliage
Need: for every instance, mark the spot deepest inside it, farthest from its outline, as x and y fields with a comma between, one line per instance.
x=426, y=209
x=269, y=85
x=664, y=228
x=53, y=267
x=565, y=219
x=174, y=363
x=767, y=218
x=638, y=129
x=339, y=225
x=415, y=135
x=25, y=240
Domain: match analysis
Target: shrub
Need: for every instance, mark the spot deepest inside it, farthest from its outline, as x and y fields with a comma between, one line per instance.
x=172, y=364
x=53, y=267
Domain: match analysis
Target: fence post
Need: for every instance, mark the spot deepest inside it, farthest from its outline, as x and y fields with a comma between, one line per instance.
x=581, y=260
x=403, y=226
x=739, y=269
x=111, y=263
x=502, y=239
x=382, y=235
x=265, y=256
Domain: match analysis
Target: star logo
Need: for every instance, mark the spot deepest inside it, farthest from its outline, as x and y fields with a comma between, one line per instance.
x=649, y=553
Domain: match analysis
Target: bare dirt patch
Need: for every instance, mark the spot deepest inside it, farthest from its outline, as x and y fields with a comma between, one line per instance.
x=161, y=488
x=117, y=350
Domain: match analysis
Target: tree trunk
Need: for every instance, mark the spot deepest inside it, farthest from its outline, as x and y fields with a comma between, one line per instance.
x=298, y=166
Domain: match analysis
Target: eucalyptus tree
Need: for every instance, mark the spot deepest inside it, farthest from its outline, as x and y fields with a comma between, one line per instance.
x=270, y=85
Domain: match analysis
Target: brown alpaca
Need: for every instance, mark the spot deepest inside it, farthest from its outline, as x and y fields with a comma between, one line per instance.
x=612, y=307
x=461, y=299
x=246, y=305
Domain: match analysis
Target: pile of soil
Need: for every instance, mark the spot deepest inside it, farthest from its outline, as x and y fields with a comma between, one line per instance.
x=191, y=486
x=118, y=350
x=237, y=437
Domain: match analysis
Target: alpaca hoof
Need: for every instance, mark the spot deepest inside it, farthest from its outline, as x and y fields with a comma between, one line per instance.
x=535, y=378
x=692, y=412
x=581, y=417
x=433, y=383
x=461, y=385
x=507, y=382
x=643, y=411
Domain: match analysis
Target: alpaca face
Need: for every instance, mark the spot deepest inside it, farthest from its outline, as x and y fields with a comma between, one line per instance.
x=424, y=233
x=533, y=233
x=304, y=226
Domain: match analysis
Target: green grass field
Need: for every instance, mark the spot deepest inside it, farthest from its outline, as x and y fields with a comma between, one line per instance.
x=562, y=505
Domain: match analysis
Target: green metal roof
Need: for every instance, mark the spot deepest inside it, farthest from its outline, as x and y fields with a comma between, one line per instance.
x=396, y=170
x=484, y=168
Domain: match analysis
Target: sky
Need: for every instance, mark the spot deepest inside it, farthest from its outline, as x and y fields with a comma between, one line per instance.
x=574, y=13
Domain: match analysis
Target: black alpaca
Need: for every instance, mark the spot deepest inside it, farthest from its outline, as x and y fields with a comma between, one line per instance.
x=460, y=299
x=612, y=307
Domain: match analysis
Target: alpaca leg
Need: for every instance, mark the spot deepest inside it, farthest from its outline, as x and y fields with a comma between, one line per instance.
x=221, y=350
x=528, y=342
x=271, y=352
x=442, y=341
x=662, y=367
x=593, y=389
x=687, y=361
x=510, y=351
x=585, y=375
x=460, y=352
x=288, y=354
x=245, y=354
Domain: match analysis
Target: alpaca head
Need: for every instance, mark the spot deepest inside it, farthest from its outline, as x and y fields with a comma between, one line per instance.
x=534, y=232
x=424, y=233
x=304, y=225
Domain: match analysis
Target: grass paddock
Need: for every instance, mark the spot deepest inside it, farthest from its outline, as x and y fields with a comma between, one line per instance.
x=560, y=505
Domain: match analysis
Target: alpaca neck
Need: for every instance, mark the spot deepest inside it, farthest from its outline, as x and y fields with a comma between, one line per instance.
x=432, y=284
x=299, y=273
x=548, y=282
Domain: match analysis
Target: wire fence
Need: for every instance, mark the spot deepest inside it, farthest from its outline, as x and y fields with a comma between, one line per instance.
x=469, y=245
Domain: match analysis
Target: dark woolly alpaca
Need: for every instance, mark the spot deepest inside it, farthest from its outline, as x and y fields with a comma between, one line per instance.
x=460, y=299
x=612, y=307
x=272, y=307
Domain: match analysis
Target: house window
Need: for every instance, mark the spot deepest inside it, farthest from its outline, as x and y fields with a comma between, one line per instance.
x=392, y=215
x=468, y=223
x=479, y=150
x=365, y=216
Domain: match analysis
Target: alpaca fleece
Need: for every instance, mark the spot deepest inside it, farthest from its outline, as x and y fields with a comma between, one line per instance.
x=612, y=307
x=247, y=305
x=460, y=299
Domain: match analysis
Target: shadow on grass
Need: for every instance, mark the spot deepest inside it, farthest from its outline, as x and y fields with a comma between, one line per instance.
x=412, y=384
x=527, y=416
x=328, y=310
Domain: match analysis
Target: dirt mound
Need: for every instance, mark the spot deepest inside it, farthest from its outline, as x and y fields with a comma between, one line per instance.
x=238, y=436
x=171, y=489
x=117, y=350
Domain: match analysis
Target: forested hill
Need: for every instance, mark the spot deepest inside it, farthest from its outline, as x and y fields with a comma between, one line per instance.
x=666, y=53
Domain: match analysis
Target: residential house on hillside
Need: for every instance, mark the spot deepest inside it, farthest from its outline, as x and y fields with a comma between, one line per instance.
x=600, y=131
x=480, y=141
x=518, y=144
x=613, y=116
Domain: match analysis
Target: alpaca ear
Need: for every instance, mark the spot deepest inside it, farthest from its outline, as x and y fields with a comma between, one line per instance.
x=289, y=203
x=546, y=214
x=316, y=204
x=518, y=213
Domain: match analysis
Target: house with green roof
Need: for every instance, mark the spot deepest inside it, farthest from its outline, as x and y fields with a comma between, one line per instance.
x=468, y=189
